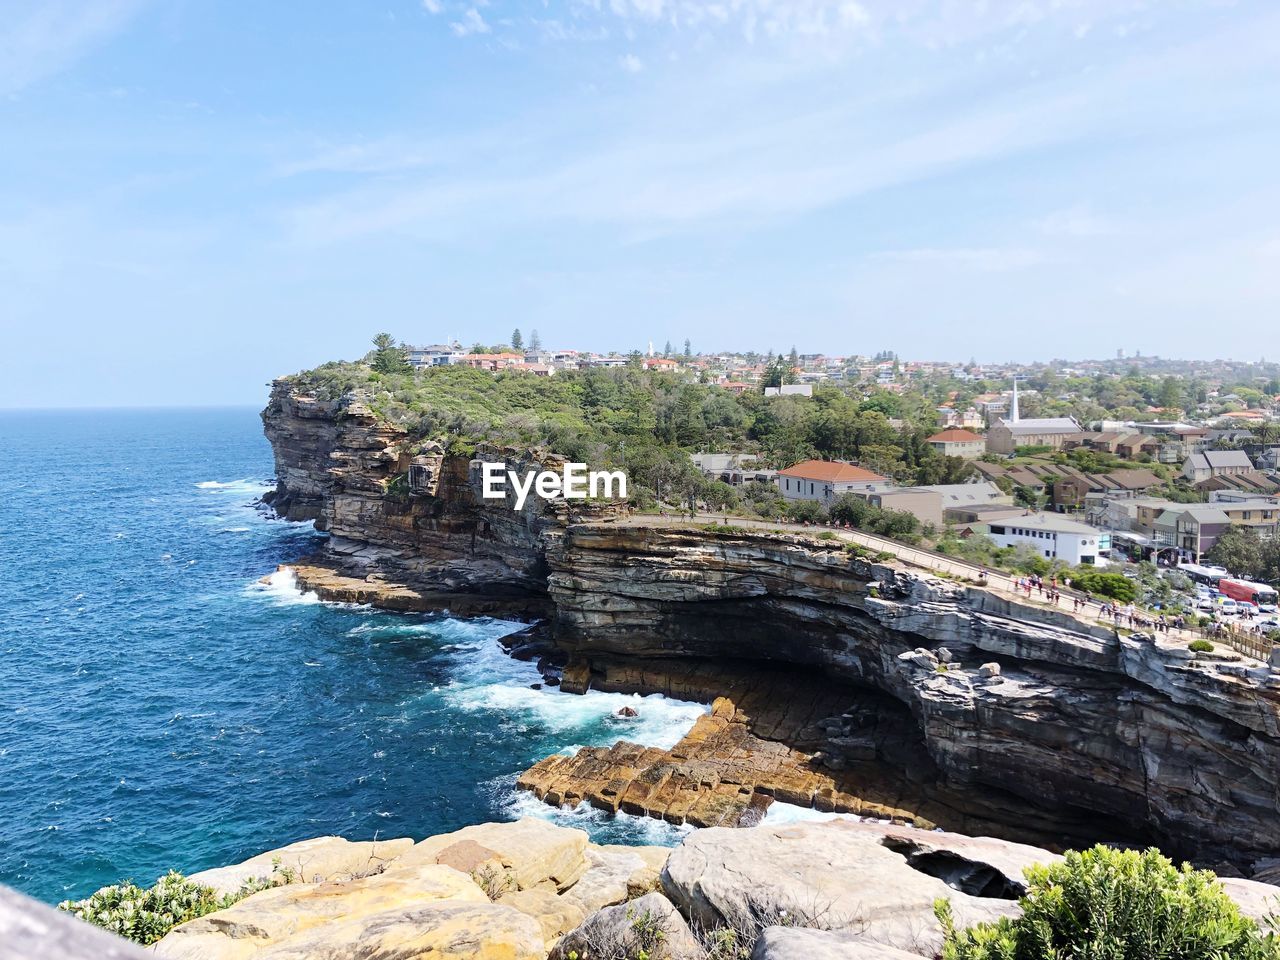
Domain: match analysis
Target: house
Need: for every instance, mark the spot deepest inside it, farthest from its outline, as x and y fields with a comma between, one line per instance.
x=1052, y=536
x=1007, y=435
x=956, y=495
x=976, y=516
x=923, y=504
x=1216, y=463
x=824, y=480
x=736, y=388
x=435, y=355
x=735, y=469
x=1253, y=482
x=790, y=390
x=958, y=443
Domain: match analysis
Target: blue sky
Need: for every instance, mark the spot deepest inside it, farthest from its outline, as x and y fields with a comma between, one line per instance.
x=195, y=197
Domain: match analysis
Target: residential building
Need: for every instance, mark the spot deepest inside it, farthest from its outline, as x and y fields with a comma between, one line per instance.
x=790, y=390
x=825, y=480
x=1052, y=536
x=1216, y=463
x=958, y=443
x=435, y=355
x=735, y=469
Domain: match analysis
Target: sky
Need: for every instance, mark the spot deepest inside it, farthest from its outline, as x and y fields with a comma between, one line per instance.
x=197, y=197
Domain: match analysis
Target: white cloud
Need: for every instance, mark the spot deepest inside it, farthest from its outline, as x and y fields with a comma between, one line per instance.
x=471, y=23
x=631, y=63
x=40, y=38
x=433, y=6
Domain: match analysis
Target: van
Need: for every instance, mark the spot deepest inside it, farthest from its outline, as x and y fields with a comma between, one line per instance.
x=1228, y=607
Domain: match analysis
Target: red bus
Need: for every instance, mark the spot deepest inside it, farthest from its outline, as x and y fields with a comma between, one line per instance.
x=1259, y=594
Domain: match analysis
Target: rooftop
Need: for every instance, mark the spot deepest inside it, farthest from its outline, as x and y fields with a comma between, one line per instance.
x=829, y=471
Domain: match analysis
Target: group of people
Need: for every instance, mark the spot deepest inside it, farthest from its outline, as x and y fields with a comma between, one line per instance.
x=1046, y=591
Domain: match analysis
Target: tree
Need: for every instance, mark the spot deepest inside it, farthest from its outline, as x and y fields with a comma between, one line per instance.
x=535, y=341
x=688, y=349
x=388, y=357
x=1239, y=549
x=517, y=341
x=793, y=357
x=666, y=351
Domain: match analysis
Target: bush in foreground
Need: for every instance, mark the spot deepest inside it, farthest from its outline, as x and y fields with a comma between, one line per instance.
x=1106, y=904
x=145, y=914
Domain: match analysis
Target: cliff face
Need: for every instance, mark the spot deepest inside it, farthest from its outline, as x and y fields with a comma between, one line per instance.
x=1130, y=736
x=1068, y=729
x=409, y=513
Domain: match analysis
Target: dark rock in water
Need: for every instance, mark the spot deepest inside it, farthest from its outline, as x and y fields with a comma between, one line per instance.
x=627, y=712
x=527, y=652
x=535, y=686
x=552, y=681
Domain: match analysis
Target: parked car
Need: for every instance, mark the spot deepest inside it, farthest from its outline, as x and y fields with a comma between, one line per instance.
x=1227, y=607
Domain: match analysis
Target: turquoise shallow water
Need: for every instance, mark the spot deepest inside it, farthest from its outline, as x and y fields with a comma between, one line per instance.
x=161, y=708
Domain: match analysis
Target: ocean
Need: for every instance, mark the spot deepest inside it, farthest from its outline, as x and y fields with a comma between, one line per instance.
x=160, y=707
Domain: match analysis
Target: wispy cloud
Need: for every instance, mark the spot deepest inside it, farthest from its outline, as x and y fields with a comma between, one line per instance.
x=631, y=63
x=471, y=23
x=433, y=6
x=40, y=38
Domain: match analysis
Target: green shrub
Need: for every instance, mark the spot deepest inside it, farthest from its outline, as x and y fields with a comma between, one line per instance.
x=1114, y=586
x=1200, y=646
x=144, y=915
x=1106, y=904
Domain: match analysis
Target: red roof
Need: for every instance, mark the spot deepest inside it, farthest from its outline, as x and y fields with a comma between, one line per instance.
x=954, y=436
x=829, y=471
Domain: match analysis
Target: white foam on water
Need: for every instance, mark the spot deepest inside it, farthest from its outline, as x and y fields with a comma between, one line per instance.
x=782, y=813
x=282, y=588
x=647, y=831
x=246, y=486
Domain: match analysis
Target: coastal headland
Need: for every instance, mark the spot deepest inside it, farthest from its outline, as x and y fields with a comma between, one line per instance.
x=840, y=681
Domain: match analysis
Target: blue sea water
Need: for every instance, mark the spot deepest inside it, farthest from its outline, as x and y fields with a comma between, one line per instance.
x=162, y=708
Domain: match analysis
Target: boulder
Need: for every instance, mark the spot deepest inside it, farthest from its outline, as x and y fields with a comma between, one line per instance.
x=649, y=926
x=530, y=852
x=311, y=861
x=616, y=874
x=280, y=915
x=795, y=943
x=875, y=882
x=445, y=930
x=556, y=915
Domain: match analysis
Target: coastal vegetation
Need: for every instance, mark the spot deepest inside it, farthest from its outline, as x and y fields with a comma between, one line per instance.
x=1104, y=903
x=145, y=914
x=646, y=422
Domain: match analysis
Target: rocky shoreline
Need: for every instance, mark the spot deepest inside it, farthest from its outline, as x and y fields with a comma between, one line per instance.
x=942, y=703
x=531, y=890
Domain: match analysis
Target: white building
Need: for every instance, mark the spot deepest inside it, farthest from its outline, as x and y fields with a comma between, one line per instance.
x=1052, y=536
x=790, y=390
x=436, y=355
x=824, y=480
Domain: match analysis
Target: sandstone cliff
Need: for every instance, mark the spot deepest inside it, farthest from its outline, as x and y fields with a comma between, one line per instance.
x=929, y=700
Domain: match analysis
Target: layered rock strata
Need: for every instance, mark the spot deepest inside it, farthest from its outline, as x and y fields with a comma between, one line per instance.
x=1005, y=717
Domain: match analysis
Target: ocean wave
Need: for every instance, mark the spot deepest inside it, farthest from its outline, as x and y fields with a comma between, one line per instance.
x=254, y=487
x=661, y=722
x=780, y=813
x=602, y=826
x=282, y=587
